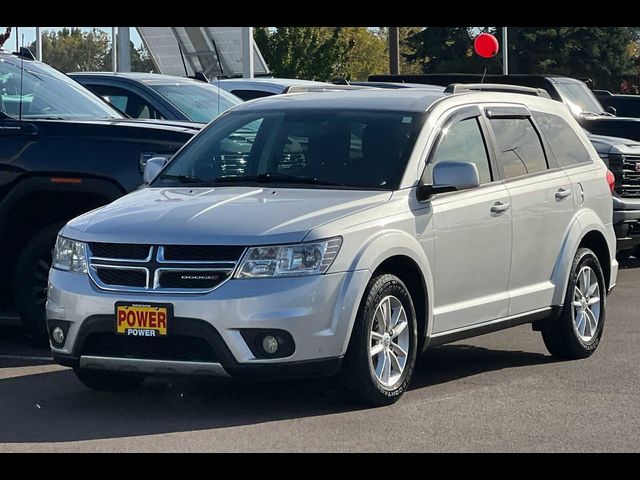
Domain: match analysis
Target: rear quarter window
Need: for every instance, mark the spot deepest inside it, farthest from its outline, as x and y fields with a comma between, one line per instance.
x=565, y=144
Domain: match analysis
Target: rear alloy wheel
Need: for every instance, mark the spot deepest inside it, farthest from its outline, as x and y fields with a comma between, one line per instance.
x=586, y=304
x=382, y=350
x=576, y=333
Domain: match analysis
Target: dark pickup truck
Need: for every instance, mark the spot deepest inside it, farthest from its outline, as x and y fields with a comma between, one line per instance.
x=63, y=152
x=615, y=138
x=625, y=105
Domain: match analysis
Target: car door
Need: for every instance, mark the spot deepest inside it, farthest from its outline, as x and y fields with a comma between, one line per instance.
x=541, y=205
x=472, y=231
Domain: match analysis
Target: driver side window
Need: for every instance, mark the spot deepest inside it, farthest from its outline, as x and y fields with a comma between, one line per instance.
x=463, y=142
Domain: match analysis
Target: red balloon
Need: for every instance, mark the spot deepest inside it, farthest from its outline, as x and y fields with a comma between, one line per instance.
x=486, y=45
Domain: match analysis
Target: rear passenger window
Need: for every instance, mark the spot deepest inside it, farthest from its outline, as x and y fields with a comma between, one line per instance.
x=519, y=148
x=566, y=146
x=464, y=142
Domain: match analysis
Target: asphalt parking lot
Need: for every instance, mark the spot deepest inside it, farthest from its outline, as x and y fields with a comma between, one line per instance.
x=499, y=392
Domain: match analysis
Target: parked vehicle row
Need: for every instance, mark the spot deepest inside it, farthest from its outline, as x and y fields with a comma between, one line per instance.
x=63, y=152
x=351, y=261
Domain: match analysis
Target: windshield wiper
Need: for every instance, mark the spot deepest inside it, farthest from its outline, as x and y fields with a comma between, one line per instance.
x=277, y=178
x=183, y=178
x=593, y=114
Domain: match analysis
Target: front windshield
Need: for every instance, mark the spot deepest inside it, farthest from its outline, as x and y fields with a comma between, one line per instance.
x=199, y=102
x=580, y=99
x=45, y=93
x=319, y=147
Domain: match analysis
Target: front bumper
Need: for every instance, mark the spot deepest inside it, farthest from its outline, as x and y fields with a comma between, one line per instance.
x=317, y=311
x=627, y=227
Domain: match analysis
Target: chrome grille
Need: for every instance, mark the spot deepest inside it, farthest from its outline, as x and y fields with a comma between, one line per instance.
x=628, y=185
x=161, y=268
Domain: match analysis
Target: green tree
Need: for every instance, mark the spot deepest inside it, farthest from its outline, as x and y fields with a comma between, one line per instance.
x=312, y=53
x=5, y=36
x=368, y=55
x=598, y=53
x=445, y=49
x=72, y=50
x=601, y=54
x=140, y=60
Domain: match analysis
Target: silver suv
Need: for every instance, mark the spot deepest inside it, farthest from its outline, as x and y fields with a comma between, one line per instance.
x=354, y=230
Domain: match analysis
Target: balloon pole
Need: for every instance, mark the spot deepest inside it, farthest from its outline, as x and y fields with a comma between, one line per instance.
x=484, y=73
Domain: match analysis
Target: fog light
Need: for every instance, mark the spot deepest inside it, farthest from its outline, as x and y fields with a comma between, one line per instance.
x=270, y=344
x=58, y=335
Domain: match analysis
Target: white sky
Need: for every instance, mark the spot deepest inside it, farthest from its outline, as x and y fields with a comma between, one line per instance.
x=30, y=35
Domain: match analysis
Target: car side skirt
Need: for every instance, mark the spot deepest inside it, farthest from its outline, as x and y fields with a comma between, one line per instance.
x=543, y=314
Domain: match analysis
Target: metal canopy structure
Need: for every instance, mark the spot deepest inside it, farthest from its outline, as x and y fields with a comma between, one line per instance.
x=214, y=51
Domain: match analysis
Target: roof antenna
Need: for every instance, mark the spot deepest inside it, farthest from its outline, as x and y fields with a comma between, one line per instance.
x=21, y=77
x=215, y=48
x=184, y=64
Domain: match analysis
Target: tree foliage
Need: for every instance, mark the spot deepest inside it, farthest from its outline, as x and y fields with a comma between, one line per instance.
x=601, y=54
x=5, y=36
x=71, y=49
x=368, y=53
x=313, y=53
x=598, y=53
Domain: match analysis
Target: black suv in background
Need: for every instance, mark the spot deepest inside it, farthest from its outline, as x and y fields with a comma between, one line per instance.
x=163, y=97
x=63, y=152
x=615, y=138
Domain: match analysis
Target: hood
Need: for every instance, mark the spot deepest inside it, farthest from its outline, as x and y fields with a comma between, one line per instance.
x=218, y=216
x=623, y=127
x=614, y=145
x=151, y=125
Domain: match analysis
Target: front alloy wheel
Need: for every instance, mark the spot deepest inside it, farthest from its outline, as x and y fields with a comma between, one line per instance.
x=382, y=350
x=389, y=341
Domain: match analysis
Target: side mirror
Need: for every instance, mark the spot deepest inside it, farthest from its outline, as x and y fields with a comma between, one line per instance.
x=152, y=169
x=612, y=110
x=449, y=177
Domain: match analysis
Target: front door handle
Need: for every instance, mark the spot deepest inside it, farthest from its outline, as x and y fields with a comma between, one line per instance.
x=562, y=193
x=500, y=207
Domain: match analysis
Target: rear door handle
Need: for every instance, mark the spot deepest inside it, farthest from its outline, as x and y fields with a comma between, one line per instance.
x=500, y=207
x=562, y=193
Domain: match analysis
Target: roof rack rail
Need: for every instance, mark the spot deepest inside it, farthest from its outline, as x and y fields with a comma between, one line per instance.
x=495, y=87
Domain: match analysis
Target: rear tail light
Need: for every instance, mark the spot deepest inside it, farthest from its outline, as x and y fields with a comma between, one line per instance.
x=611, y=180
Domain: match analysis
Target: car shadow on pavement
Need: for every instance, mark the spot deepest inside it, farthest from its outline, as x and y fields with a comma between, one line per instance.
x=447, y=363
x=55, y=407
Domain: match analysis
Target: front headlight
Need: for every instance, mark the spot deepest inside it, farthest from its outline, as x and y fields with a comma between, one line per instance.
x=289, y=260
x=70, y=256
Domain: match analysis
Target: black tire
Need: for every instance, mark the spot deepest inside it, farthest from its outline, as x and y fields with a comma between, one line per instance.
x=30, y=277
x=108, y=381
x=357, y=373
x=560, y=336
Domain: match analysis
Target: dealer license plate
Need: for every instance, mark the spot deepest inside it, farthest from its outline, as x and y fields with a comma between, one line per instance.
x=143, y=319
